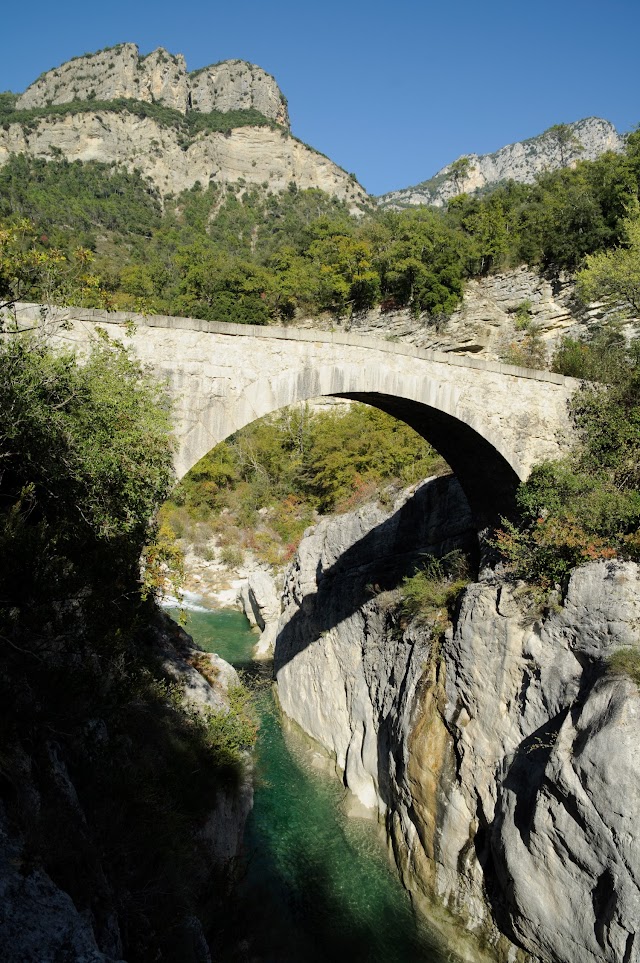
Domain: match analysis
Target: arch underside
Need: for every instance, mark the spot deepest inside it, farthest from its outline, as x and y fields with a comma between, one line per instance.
x=477, y=455
x=486, y=477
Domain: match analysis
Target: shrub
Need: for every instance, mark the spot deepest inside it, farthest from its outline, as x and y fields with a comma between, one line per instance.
x=231, y=556
x=530, y=352
x=522, y=316
x=430, y=594
x=625, y=662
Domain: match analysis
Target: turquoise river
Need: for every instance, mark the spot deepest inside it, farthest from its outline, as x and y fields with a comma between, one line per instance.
x=318, y=884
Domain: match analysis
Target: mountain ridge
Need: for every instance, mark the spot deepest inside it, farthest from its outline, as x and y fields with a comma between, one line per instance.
x=158, y=77
x=228, y=122
x=559, y=146
x=54, y=117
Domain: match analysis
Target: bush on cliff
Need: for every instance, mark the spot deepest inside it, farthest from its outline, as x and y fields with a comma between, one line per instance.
x=587, y=505
x=430, y=594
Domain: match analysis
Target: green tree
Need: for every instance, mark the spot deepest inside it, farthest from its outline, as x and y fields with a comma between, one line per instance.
x=587, y=505
x=614, y=276
x=31, y=271
x=459, y=171
x=566, y=142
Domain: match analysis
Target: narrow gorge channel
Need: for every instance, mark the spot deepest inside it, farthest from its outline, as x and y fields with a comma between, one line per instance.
x=318, y=883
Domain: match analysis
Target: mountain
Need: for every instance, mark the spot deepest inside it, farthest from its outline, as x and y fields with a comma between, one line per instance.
x=559, y=146
x=160, y=77
x=224, y=123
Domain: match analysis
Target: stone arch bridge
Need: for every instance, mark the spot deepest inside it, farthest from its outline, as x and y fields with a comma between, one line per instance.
x=490, y=421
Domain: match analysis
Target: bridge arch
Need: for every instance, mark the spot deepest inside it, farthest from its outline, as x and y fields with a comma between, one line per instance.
x=487, y=470
x=491, y=422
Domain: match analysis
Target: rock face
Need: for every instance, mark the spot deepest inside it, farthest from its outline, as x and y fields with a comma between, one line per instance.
x=39, y=920
x=258, y=155
x=160, y=77
x=485, y=323
x=237, y=85
x=332, y=617
x=586, y=140
x=253, y=155
x=260, y=601
x=503, y=759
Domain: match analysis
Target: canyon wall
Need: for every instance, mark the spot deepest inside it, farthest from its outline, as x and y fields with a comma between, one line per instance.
x=502, y=756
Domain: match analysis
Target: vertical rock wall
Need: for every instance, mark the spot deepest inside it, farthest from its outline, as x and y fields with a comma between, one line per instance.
x=504, y=759
x=160, y=77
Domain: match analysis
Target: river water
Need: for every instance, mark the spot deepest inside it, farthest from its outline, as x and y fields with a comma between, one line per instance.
x=318, y=884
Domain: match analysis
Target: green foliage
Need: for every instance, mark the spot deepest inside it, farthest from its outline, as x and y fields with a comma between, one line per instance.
x=7, y=103
x=242, y=253
x=529, y=351
x=187, y=125
x=84, y=462
x=31, y=270
x=587, y=505
x=566, y=141
x=626, y=662
x=603, y=357
x=84, y=447
x=431, y=593
x=77, y=199
x=262, y=487
x=522, y=316
x=614, y=276
x=460, y=170
x=231, y=733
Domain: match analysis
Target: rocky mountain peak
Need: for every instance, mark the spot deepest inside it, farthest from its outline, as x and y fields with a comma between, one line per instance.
x=560, y=146
x=159, y=77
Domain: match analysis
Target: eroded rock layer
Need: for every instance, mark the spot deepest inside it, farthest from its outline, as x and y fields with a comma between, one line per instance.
x=503, y=758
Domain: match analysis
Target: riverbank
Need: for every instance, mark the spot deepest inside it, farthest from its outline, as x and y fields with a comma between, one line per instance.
x=319, y=882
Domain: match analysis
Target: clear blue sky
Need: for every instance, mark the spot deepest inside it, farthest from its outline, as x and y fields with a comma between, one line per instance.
x=389, y=90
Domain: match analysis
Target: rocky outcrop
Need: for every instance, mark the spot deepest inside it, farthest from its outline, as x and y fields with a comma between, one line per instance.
x=560, y=146
x=260, y=602
x=160, y=77
x=487, y=323
x=237, y=85
x=38, y=920
x=502, y=758
x=333, y=616
x=255, y=155
x=173, y=161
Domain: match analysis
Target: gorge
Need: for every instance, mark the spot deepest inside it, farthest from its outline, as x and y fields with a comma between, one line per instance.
x=183, y=287
x=496, y=753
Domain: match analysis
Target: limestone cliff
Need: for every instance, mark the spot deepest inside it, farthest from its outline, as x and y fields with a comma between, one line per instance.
x=583, y=140
x=160, y=77
x=173, y=159
x=503, y=758
x=257, y=155
x=486, y=322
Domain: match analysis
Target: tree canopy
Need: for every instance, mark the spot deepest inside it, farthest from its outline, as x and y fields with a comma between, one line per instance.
x=243, y=253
